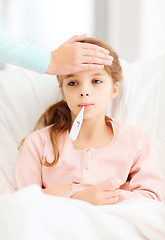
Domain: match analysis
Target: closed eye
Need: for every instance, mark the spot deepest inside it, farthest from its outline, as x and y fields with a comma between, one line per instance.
x=96, y=81
x=72, y=83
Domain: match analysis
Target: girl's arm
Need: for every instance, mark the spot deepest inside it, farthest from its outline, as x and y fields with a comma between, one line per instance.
x=60, y=190
x=100, y=194
x=29, y=168
x=145, y=176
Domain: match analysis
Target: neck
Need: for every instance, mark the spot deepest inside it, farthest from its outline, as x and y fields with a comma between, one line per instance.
x=94, y=132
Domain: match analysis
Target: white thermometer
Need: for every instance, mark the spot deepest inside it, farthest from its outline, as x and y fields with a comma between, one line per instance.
x=77, y=125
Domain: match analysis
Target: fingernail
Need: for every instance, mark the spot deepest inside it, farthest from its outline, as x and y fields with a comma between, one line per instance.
x=115, y=185
x=110, y=58
x=100, y=66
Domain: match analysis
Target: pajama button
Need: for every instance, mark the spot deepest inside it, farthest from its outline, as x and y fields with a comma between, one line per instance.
x=86, y=166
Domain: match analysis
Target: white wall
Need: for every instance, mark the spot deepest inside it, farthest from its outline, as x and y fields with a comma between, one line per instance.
x=136, y=28
x=1, y=24
x=152, y=25
x=47, y=23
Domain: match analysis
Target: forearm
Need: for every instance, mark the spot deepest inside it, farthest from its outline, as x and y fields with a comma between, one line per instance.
x=23, y=54
x=125, y=194
x=59, y=190
x=99, y=194
x=145, y=178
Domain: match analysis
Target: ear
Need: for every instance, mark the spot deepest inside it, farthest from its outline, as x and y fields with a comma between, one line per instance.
x=115, y=90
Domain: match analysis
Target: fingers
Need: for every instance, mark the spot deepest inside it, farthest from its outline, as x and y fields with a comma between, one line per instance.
x=109, y=186
x=77, y=38
x=96, y=60
x=92, y=63
x=96, y=53
x=84, y=67
x=112, y=193
x=111, y=200
x=90, y=46
x=111, y=196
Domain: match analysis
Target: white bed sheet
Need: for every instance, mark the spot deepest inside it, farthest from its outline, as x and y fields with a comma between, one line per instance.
x=31, y=214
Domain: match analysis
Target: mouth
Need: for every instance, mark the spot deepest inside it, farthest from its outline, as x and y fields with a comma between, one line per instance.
x=86, y=105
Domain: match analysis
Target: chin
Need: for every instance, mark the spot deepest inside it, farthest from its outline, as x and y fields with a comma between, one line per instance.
x=88, y=116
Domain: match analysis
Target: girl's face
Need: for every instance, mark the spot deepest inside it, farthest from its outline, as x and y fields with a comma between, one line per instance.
x=91, y=89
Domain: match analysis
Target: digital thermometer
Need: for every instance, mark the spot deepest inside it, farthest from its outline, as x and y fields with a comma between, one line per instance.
x=77, y=125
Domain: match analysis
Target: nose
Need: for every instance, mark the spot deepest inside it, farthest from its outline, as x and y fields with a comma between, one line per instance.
x=84, y=94
x=84, y=89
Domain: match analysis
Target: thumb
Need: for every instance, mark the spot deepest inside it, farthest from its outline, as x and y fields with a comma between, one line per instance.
x=77, y=38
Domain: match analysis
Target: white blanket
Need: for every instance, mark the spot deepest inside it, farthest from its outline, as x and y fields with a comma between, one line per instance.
x=29, y=214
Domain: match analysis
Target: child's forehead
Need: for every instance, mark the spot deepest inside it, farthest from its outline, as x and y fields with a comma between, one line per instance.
x=89, y=73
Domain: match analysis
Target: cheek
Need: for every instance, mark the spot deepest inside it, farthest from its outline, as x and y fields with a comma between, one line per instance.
x=68, y=90
x=65, y=93
x=68, y=96
x=104, y=99
x=105, y=93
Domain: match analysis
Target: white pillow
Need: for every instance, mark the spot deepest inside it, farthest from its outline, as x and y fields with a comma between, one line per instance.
x=6, y=186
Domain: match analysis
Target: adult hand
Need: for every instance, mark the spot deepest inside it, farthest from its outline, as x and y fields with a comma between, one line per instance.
x=73, y=56
x=100, y=194
x=60, y=190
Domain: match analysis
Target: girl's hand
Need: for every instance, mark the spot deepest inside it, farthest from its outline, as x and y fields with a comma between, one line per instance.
x=74, y=56
x=60, y=190
x=100, y=194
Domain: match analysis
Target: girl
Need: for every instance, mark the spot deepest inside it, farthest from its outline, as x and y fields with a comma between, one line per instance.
x=110, y=161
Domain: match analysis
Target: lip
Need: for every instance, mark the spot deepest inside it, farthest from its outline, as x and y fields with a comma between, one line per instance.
x=86, y=105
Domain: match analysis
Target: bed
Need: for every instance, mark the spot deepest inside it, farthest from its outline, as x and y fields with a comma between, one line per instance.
x=30, y=214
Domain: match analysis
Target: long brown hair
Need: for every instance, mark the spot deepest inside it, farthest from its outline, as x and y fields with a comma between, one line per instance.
x=59, y=116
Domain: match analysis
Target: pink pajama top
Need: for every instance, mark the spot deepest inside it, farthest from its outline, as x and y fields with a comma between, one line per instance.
x=128, y=160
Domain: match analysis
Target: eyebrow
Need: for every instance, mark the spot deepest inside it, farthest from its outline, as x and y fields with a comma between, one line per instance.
x=74, y=75
x=98, y=74
x=69, y=76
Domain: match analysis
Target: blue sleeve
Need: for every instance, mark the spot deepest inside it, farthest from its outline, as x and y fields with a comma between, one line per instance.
x=23, y=54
